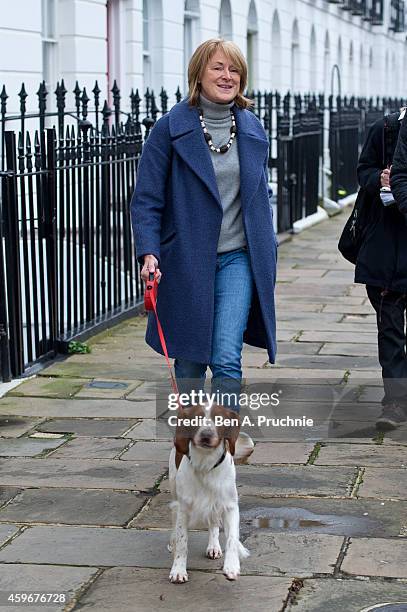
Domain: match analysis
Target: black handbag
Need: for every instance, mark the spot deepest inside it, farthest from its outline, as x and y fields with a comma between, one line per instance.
x=355, y=227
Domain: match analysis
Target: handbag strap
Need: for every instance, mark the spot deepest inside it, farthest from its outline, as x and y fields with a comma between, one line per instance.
x=390, y=135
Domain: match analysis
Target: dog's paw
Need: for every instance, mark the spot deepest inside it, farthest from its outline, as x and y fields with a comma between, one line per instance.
x=214, y=552
x=231, y=571
x=178, y=576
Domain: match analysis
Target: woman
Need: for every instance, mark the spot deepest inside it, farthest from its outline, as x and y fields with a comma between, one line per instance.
x=382, y=263
x=202, y=222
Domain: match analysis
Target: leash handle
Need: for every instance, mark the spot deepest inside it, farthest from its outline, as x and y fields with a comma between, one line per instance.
x=150, y=303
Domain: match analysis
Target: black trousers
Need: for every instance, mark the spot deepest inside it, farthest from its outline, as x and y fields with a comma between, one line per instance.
x=390, y=308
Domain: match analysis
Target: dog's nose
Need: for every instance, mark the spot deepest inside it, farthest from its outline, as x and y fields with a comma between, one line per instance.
x=206, y=436
x=205, y=439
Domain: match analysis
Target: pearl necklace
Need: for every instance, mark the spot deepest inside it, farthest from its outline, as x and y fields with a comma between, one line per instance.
x=224, y=148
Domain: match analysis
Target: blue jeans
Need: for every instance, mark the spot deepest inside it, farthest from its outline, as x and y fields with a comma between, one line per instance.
x=233, y=296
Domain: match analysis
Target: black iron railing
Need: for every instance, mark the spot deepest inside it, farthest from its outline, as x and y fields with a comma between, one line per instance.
x=68, y=264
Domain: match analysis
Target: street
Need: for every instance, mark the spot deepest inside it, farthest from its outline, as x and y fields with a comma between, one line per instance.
x=83, y=489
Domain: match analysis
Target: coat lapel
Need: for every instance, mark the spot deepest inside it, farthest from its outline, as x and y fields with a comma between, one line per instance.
x=189, y=142
x=253, y=149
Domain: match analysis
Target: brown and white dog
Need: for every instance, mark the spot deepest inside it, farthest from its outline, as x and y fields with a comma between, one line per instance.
x=202, y=480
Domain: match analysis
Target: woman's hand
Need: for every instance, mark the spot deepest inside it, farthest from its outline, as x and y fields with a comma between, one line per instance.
x=150, y=266
x=385, y=178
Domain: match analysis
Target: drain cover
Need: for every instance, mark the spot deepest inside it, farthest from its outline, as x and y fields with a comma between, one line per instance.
x=398, y=606
x=107, y=384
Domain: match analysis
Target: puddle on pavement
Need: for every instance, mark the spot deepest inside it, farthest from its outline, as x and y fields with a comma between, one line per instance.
x=299, y=519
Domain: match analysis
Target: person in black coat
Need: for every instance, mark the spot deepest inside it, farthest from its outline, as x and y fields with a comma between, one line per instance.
x=382, y=261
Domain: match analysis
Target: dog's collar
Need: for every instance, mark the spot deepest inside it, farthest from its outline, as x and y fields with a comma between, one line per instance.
x=219, y=461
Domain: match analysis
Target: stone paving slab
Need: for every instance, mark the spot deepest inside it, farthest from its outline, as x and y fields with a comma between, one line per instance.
x=151, y=430
x=148, y=451
x=120, y=390
x=309, y=289
x=298, y=375
x=15, y=426
x=348, y=337
x=355, y=411
x=345, y=595
x=362, y=455
x=329, y=362
x=91, y=408
x=341, y=348
x=73, y=507
x=347, y=517
x=304, y=272
x=357, y=289
x=295, y=480
x=376, y=557
x=397, y=436
x=384, y=483
x=298, y=480
x=345, y=309
x=296, y=348
x=43, y=386
x=102, y=547
x=7, y=493
x=322, y=391
x=80, y=473
x=109, y=371
x=101, y=428
x=6, y=531
x=358, y=318
x=44, y=579
x=150, y=389
x=294, y=316
x=340, y=430
x=26, y=447
x=285, y=335
x=91, y=448
x=287, y=452
x=371, y=394
x=119, y=589
x=311, y=323
x=302, y=555
x=271, y=554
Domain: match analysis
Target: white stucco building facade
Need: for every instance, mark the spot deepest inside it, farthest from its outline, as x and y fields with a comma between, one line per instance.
x=290, y=44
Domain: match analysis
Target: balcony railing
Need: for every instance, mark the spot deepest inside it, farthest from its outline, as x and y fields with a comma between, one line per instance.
x=374, y=12
x=356, y=7
x=397, y=16
x=369, y=10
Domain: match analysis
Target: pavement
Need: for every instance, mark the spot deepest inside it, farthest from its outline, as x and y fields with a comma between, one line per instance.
x=83, y=463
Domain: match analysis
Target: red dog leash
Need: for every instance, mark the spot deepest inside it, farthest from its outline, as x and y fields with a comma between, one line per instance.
x=150, y=303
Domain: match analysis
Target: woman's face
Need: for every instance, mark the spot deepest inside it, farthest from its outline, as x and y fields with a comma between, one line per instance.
x=220, y=81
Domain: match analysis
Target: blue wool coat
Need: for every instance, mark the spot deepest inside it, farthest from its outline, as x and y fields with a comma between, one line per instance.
x=176, y=216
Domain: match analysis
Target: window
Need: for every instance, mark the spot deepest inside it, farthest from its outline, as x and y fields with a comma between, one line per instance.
x=49, y=44
x=115, y=50
x=276, y=53
x=191, y=28
x=225, y=20
x=147, y=71
x=295, y=58
x=252, y=46
x=313, y=61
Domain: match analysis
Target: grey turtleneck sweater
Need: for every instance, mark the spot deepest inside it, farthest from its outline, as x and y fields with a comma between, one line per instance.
x=227, y=172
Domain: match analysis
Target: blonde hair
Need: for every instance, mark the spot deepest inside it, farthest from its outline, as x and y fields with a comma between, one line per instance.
x=200, y=59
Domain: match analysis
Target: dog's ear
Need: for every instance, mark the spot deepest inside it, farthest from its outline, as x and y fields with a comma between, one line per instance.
x=232, y=432
x=228, y=432
x=182, y=437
